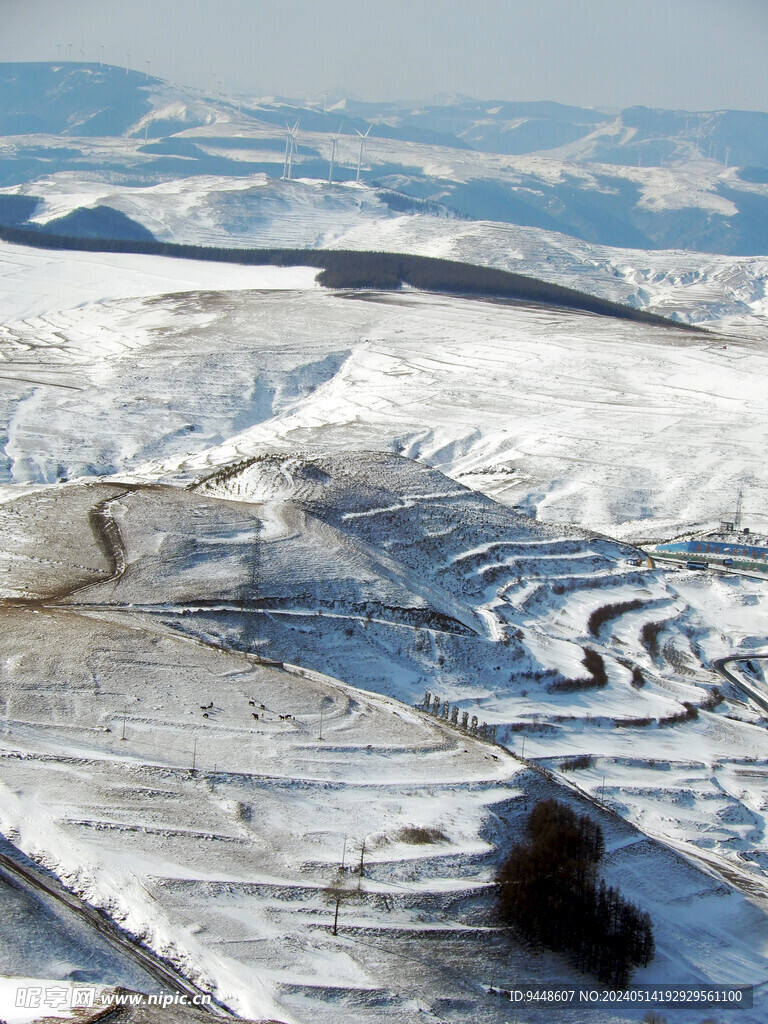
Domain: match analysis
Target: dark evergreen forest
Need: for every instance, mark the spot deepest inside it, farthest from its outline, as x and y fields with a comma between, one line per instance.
x=550, y=892
x=342, y=269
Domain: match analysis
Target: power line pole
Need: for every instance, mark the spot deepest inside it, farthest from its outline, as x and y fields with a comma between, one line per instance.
x=336, y=916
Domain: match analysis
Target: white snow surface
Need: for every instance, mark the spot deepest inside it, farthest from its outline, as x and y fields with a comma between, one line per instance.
x=377, y=572
x=34, y=282
x=231, y=870
x=630, y=429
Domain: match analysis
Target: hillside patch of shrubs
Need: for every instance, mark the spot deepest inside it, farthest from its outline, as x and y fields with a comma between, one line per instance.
x=594, y=664
x=571, y=764
x=550, y=892
x=649, y=636
x=690, y=714
x=607, y=612
x=714, y=698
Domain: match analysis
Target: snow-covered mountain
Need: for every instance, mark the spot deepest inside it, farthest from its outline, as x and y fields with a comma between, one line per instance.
x=248, y=521
x=640, y=178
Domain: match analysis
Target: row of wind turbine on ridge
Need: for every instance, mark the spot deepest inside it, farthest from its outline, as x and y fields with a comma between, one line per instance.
x=292, y=147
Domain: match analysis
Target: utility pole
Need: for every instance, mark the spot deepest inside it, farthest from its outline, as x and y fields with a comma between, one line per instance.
x=336, y=915
x=602, y=792
x=343, y=852
x=362, y=855
x=194, y=753
x=125, y=712
x=321, y=724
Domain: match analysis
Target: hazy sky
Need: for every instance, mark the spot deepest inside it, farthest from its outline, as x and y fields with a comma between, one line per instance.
x=693, y=54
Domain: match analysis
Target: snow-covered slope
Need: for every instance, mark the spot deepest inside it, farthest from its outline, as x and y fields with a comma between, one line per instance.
x=220, y=807
x=726, y=292
x=397, y=492
x=36, y=282
x=577, y=418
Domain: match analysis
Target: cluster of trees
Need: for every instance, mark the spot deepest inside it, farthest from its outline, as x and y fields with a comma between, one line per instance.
x=550, y=892
x=342, y=268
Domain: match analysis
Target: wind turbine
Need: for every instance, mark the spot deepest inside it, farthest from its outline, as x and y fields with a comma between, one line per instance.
x=334, y=141
x=290, y=145
x=294, y=148
x=360, y=154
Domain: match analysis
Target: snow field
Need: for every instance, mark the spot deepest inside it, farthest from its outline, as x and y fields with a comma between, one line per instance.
x=223, y=867
x=265, y=813
x=36, y=282
x=579, y=418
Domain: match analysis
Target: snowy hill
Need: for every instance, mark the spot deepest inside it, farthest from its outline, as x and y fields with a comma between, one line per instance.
x=642, y=179
x=219, y=804
x=246, y=522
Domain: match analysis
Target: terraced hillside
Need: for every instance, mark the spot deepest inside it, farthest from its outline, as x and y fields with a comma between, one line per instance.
x=222, y=806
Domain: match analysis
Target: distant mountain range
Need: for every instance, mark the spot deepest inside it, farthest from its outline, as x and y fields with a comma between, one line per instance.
x=639, y=178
